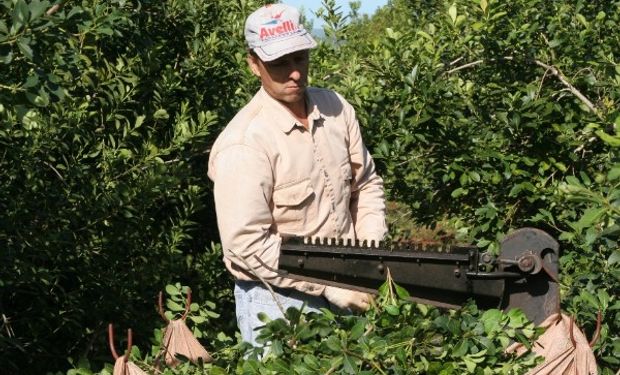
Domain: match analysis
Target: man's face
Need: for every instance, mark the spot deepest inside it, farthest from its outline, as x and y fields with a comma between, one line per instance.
x=285, y=79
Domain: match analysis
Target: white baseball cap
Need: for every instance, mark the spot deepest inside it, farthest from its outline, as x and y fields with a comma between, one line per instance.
x=273, y=31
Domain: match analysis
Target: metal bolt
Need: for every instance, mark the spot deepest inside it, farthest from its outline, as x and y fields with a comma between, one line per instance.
x=530, y=263
x=526, y=263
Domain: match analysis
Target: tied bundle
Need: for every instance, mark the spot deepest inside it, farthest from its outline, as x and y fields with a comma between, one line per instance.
x=122, y=364
x=179, y=341
x=564, y=347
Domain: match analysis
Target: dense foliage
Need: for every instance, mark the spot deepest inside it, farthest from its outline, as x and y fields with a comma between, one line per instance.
x=494, y=115
x=107, y=110
x=394, y=337
x=482, y=115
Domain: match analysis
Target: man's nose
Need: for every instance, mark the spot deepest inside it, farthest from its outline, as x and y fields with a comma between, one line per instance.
x=295, y=74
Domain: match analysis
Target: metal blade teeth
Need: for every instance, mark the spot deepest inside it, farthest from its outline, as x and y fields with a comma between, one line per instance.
x=418, y=246
x=340, y=242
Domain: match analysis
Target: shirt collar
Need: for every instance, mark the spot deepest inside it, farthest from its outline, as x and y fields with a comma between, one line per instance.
x=287, y=122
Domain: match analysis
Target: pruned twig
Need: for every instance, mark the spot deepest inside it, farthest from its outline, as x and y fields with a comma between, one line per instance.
x=188, y=303
x=253, y=270
x=556, y=72
x=55, y=171
x=160, y=305
x=111, y=343
x=597, y=332
x=55, y=8
x=468, y=65
x=551, y=69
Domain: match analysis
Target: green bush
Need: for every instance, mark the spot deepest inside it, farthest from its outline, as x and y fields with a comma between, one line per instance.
x=393, y=337
x=485, y=116
x=107, y=112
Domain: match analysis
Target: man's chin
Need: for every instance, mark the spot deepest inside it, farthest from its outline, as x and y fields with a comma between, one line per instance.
x=293, y=97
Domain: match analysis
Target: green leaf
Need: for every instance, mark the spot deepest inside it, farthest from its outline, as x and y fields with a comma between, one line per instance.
x=357, y=330
x=333, y=343
x=401, y=292
x=611, y=140
x=491, y=320
x=459, y=192
x=603, y=298
x=198, y=319
x=24, y=47
x=3, y=28
x=105, y=30
x=614, y=258
x=263, y=317
x=477, y=26
x=384, y=289
x=474, y=176
x=464, y=179
x=37, y=8
x=7, y=58
x=19, y=17
x=161, y=114
x=348, y=365
x=276, y=348
x=516, y=318
x=590, y=216
x=172, y=290
x=424, y=309
x=139, y=121
x=460, y=349
x=425, y=35
x=572, y=180
x=589, y=298
x=498, y=15
x=452, y=13
x=173, y=306
x=582, y=20
x=392, y=310
x=614, y=173
x=32, y=81
x=483, y=5
x=214, y=370
x=470, y=364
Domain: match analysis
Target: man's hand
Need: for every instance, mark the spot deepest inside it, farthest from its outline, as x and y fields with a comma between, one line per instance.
x=347, y=299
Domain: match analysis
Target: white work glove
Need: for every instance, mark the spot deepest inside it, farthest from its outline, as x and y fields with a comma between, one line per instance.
x=347, y=299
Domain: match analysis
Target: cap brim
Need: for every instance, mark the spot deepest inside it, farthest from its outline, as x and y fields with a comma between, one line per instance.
x=279, y=48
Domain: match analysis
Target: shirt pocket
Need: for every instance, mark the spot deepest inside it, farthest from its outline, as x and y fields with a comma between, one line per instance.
x=291, y=202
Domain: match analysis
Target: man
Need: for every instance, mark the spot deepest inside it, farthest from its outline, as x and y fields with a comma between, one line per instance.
x=290, y=163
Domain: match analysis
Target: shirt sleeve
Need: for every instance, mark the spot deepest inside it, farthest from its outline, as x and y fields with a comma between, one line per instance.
x=242, y=191
x=367, y=204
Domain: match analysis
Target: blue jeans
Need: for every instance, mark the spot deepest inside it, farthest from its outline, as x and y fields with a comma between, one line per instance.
x=252, y=297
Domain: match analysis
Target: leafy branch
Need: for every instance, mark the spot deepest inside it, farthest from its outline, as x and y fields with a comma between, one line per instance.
x=553, y=70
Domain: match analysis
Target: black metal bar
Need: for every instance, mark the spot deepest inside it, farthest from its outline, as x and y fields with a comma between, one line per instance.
x=434, y=277
x=447, y=279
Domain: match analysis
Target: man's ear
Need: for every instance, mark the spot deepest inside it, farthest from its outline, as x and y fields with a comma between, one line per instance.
x=253, y=63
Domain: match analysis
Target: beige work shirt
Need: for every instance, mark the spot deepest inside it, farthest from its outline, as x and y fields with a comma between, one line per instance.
x=274, y=179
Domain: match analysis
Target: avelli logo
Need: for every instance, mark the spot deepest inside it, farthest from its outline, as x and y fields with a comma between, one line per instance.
x=275, y=27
